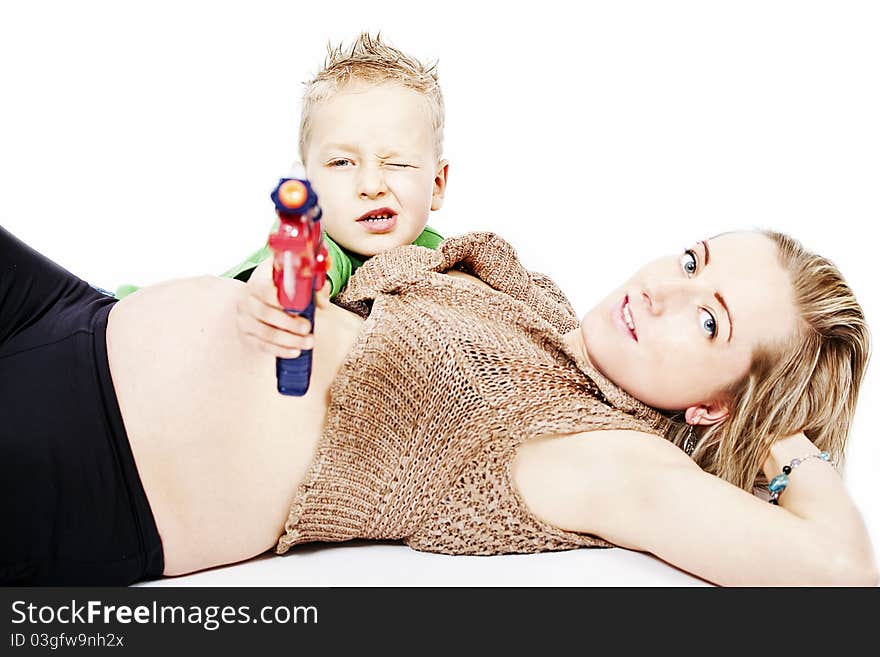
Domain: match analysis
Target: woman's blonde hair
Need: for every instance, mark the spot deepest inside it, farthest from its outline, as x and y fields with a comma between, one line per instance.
x=809, y=385
x=369, y=59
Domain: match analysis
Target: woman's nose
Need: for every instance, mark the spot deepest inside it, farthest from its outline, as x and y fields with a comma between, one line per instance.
x=371, y=183
x=662, y=296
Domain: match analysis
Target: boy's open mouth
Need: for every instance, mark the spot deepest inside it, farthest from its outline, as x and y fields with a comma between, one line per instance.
x=381, y=220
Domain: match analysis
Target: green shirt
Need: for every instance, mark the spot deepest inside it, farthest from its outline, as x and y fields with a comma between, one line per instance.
x=343, y=263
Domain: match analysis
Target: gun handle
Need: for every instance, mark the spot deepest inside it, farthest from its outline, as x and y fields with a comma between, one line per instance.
x=294, y=373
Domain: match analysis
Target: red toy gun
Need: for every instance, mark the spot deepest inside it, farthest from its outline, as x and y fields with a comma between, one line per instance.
x=299, y=269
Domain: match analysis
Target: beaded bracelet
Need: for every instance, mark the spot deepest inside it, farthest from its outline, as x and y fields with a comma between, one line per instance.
x=780, y=481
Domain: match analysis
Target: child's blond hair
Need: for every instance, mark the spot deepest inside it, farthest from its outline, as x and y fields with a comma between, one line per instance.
x=371, y=60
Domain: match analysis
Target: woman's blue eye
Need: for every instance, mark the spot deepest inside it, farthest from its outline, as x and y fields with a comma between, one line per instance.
x=338, y=163
x=688, y=262
x=708, y=323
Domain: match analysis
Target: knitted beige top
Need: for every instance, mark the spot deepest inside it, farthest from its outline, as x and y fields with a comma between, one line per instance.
x=446, y=378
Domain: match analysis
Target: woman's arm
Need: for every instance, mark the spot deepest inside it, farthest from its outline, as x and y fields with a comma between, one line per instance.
x=817, y=495
x=643, y=493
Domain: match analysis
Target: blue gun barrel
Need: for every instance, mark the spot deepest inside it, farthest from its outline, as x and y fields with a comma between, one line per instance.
x=294, y=374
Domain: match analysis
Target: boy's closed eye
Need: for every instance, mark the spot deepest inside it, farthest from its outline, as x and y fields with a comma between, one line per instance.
x=342, y=162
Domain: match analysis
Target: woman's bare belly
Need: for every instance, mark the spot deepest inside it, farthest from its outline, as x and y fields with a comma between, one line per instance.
x=220, y=453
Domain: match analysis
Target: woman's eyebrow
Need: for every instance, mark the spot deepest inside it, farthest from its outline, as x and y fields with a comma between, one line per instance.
x=727, y=310
x=719, y=297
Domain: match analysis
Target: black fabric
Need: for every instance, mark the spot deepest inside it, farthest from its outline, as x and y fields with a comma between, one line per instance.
x=72, y=507
x=245, y=276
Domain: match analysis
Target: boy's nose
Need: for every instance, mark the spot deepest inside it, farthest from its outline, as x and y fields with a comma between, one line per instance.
x=371, y=183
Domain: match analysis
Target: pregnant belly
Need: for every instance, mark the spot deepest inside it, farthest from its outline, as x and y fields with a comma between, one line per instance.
x=220, y=453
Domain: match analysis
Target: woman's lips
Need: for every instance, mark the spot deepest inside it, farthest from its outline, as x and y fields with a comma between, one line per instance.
x=619, y=321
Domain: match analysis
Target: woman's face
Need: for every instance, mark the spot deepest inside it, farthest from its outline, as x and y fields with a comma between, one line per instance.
x=685, y=326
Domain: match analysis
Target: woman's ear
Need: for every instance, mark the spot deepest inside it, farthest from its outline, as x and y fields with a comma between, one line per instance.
x=439, y=190
x=707, y=414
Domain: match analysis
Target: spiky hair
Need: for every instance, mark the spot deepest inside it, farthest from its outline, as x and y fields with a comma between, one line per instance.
x=371, y=60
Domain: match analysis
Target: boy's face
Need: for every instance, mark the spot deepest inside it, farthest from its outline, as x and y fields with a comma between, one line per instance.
x=372, y=162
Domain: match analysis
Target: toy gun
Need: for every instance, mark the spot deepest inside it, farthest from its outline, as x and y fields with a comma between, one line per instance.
x=299, y=269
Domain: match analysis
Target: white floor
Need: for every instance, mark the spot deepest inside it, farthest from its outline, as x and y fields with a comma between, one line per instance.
x=384, y=564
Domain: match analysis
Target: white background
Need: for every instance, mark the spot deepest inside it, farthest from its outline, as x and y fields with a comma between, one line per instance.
x=139, y=142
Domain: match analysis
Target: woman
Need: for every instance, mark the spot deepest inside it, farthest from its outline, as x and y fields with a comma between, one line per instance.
x=746, y=337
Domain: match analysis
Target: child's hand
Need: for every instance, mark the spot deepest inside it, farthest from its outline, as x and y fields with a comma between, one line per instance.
x=322, y=296
x=265, y=325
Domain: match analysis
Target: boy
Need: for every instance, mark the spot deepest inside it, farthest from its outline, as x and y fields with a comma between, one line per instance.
x=371, y=136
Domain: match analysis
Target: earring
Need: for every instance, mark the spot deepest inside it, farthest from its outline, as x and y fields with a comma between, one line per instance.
x=690, y=442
